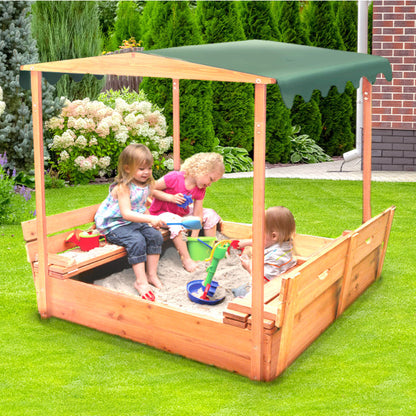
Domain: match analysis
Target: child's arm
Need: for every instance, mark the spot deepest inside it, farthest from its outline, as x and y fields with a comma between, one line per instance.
x=157, y=192
x=245, y=243
x=123, y=196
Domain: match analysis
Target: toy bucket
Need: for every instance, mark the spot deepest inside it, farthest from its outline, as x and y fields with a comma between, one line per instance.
x=198, y=250
x=89, y=240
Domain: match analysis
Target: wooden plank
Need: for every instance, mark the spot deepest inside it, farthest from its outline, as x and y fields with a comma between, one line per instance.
x=235, y=230
x=346, y=281
x=196, y=337
x=260, y=92
x=176, y=125
x=385, y=241
x=60, y=222
x=145, y=65
x=307, y=245
x=367, y=139
x=229, y=321
x=40, y=282
x=289, y=299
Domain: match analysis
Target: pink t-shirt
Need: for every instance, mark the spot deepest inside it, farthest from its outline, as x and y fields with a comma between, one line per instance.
x=175, y=184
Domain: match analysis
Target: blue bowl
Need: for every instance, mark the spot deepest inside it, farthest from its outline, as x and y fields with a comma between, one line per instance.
x=195, y=286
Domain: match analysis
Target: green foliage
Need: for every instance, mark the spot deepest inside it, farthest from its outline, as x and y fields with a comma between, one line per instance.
x=336, y=109
x=258, y=20
x=307, y=115
x=347, y=20
x=68, y=30
x=14, y=200
x=236, y=159
x=290, y=24
x=233, y=103
x=259, y=23
x=17, y=47
x=321, y=25
x=278, y=127
x=171, y=24
x=107, y=12
x=305, y=149
x=127, y=24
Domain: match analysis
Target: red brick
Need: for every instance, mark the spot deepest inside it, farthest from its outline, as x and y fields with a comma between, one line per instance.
x=409, y=74
x=402, y=67
x=402, y=97
x=409, y=103
x=404, y=23
x=410, y=45
x=393, y=16
x=404, y=38
x=409, y=119
x=402, y=111
x=402, y=52
x=385, y=23
x=403, y=82
x=393, y=45
x=392, y=31
x=404, y=9
x=392, y=118
x=401, y=126
x=391, y=103
x=381, y=110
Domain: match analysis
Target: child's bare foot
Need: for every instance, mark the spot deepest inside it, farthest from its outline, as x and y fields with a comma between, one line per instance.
x=154, y=280
x=144, y=291
x=189, y=265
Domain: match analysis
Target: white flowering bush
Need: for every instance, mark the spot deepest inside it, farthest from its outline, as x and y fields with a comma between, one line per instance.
x=2, y=103
x=88, y=136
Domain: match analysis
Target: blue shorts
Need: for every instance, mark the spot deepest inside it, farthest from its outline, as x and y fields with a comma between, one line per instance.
x=139, y=240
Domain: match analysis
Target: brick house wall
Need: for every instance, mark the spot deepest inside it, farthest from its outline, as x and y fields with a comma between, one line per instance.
x=394, y=103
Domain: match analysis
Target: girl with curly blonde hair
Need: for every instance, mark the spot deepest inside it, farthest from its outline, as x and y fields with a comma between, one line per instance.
x=182, y=193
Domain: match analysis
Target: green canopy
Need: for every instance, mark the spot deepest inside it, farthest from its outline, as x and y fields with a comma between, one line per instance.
x=298, y=69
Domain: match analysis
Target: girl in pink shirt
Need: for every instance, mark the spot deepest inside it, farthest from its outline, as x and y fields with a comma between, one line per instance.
x=176, y=190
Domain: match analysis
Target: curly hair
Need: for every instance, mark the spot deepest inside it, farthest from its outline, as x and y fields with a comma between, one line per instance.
x=202, y=164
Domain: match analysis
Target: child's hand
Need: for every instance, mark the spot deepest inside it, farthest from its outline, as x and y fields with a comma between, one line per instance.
x=156, y=222
x=246, y=262
x=178, y=199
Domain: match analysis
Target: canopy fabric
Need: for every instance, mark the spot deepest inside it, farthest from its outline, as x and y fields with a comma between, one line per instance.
x=297, y=69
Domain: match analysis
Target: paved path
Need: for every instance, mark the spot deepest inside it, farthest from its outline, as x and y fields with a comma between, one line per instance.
x=337, y=170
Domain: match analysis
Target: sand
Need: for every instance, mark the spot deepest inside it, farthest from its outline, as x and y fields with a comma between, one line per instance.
x=229, y=274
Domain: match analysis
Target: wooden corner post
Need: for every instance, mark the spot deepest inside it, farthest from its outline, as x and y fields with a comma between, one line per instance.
x=176, y=125
x=367, y=138
x=257, y=367
x=41, y=279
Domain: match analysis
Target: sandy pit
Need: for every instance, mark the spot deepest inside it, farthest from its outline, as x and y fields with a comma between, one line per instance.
x=229, y=274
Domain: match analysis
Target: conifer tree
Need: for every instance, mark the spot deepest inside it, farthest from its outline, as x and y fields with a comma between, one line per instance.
x=259, y=23
x=68, y=30
x=127, y=24
x=336, y=108
x=17, y=47
x=289, y=22
x=171, y=24
x=107, y=12
x=233, y=113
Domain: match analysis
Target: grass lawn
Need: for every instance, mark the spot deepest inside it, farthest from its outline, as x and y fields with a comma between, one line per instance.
x=364, y=364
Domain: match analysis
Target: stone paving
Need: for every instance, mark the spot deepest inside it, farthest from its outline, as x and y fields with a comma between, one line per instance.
x=336, y=170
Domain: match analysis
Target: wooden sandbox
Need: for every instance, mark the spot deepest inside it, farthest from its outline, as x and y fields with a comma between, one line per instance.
x=260, y=336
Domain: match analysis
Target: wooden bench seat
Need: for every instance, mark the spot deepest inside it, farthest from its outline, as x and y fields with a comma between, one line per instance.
x=65, y=259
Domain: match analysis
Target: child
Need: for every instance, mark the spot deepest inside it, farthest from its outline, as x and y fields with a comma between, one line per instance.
x=278, y=246
x=196, y=174
x=123, y=219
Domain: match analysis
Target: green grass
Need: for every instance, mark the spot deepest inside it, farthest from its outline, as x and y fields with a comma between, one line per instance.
x=363, y=364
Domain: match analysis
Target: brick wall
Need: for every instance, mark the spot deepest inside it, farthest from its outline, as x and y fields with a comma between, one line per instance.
x=394, y=103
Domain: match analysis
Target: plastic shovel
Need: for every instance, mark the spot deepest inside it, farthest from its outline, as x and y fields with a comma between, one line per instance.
x=191, y=223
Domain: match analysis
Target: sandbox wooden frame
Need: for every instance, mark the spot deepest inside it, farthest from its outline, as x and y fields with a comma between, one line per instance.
x=311, y=298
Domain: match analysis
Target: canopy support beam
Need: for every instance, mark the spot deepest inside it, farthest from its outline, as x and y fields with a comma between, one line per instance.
x=257, y=367
x=176, y=125
x=41, y=280
x=367, y=138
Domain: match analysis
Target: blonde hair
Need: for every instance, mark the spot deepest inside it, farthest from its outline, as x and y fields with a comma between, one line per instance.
x=202, y=164
x=281, y=221
x=133, y=157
